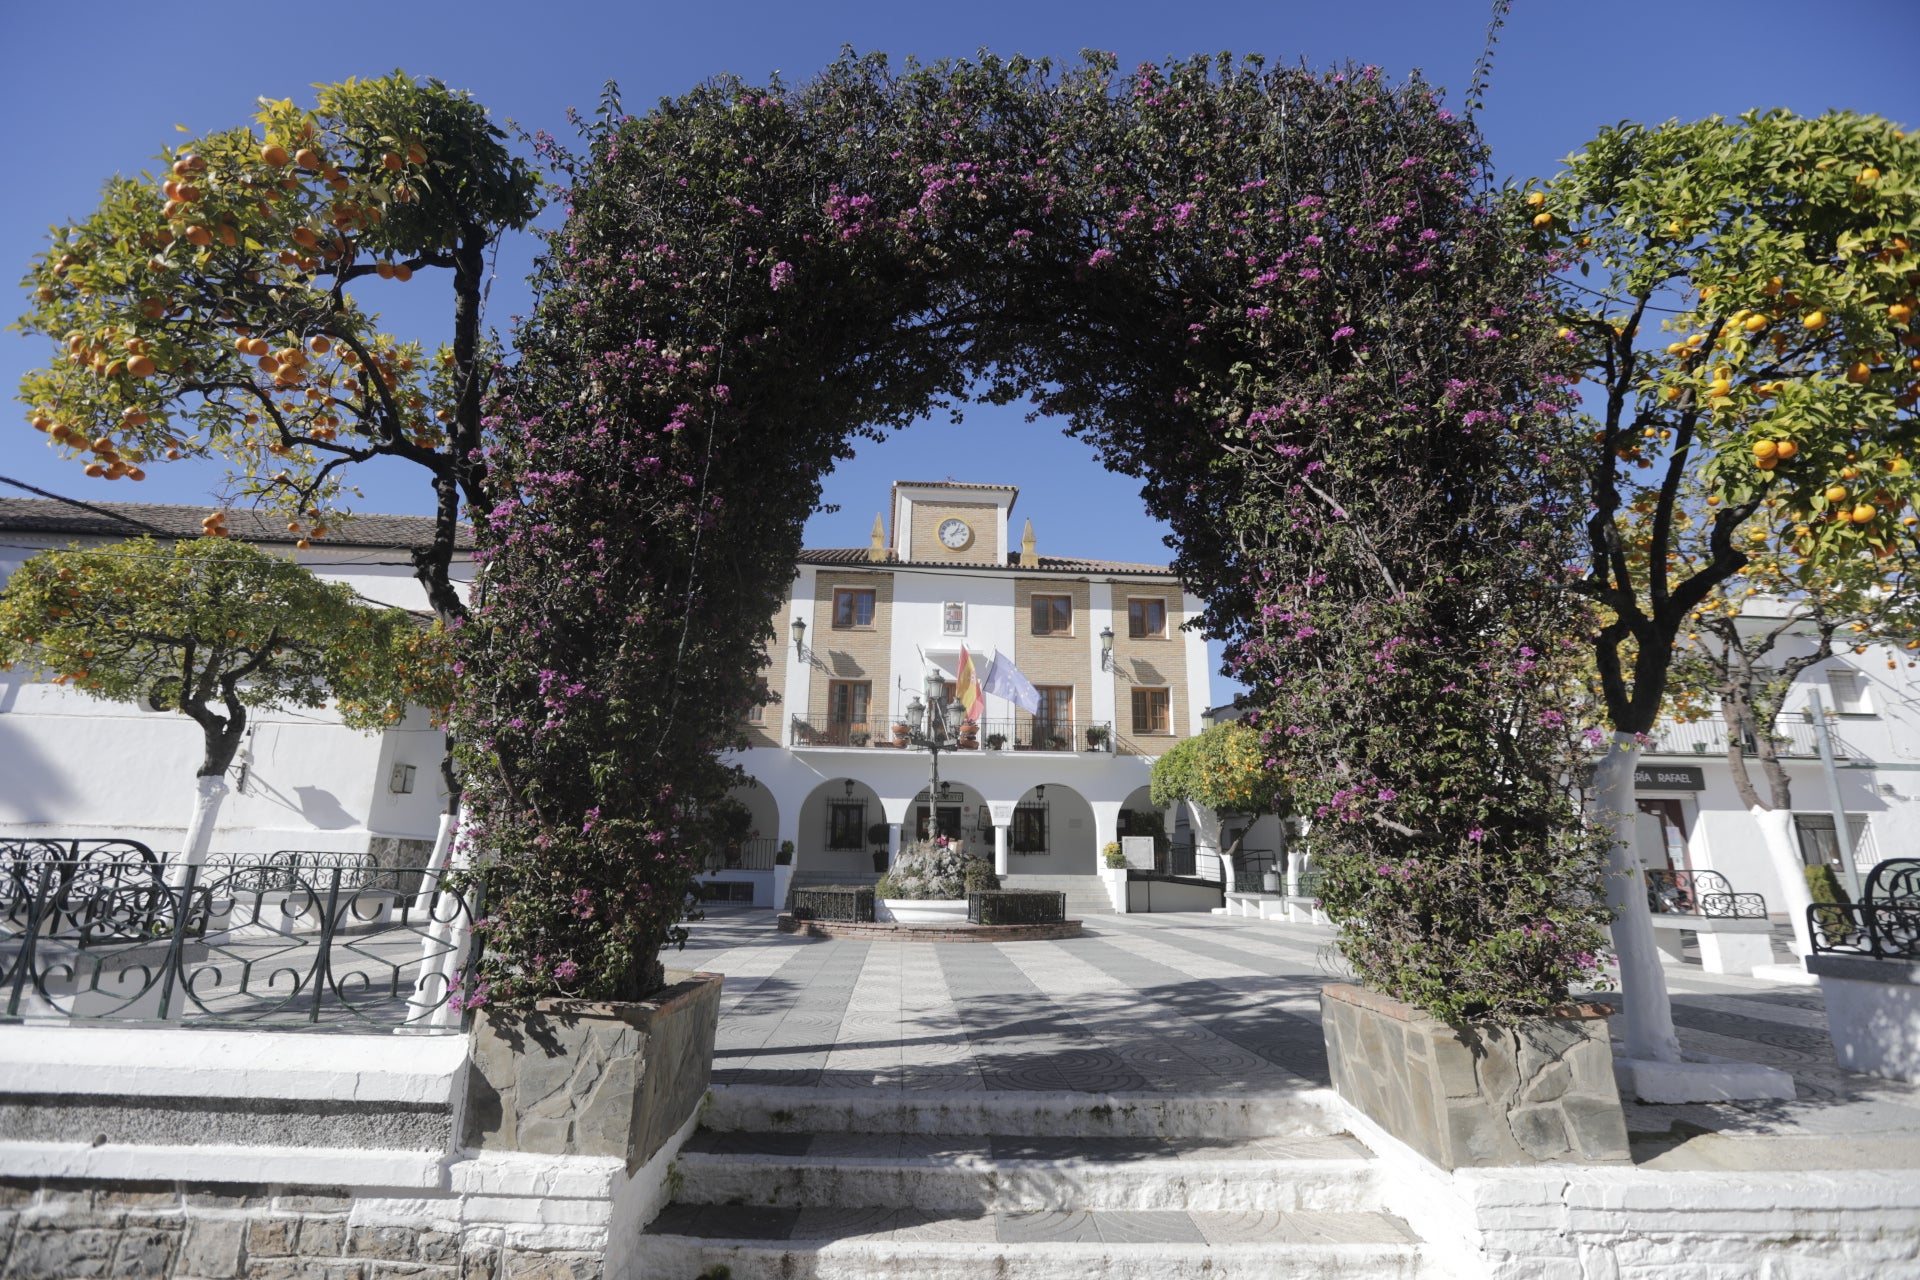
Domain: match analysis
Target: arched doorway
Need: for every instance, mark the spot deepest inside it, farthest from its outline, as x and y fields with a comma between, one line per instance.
x=960, y=813
x=739, y=863
x=843, y=833
x=1053, y=833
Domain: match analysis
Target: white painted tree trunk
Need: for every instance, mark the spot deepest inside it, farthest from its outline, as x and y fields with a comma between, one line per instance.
x=1646, y=1014
x=1776, y=831
x=437, y=860
x=443, y=948
x=208, y=794
x=1206, y=832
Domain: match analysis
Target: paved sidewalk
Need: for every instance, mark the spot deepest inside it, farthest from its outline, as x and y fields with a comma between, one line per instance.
x=1200, y=1004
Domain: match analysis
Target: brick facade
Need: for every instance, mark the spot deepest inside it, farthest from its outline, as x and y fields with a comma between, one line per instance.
x=1149, y=662
x=1054, y=659
x=982, y=517
x=863, y=654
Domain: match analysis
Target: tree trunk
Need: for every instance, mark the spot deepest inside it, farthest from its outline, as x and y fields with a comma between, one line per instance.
x=1776, y=832
x=1206, y=826
x=208, y=793
x=1646, y=1013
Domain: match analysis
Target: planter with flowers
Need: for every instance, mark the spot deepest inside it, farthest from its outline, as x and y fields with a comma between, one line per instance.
x=927, y=884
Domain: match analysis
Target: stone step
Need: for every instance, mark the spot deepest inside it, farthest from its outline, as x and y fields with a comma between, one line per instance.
x=801, y=1109
x=1003, y=1173
x=879, y=1243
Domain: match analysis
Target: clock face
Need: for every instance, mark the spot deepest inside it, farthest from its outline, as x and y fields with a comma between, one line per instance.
x=955, y=535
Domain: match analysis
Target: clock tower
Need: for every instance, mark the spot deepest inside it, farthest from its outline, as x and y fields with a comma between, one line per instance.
x=951, y=522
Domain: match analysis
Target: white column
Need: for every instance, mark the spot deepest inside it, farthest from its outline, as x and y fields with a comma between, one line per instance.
x=893, y=842
x=1099, y=617
x=798, y=694
x=999, y=850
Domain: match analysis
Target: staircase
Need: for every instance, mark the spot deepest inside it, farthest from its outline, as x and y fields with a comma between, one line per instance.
x=1086, y=895
x=865, y=1185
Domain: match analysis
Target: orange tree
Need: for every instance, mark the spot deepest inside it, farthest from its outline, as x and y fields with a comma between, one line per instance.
x=1741, y=296
x=212, y=629
x=1224, y=770
x=215, y=308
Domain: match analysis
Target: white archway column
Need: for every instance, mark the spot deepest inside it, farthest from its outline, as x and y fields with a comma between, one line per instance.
x=893, y=842
x=1002, y=812
x=1106, y=829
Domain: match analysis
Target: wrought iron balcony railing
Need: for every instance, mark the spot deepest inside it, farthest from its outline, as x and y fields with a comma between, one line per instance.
x=1793, y=738
x=1021, y=733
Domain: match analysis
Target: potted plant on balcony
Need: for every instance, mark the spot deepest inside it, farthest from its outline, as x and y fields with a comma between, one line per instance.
x=858, y=737
x=927, y=884
x=1096, y=737
x=996, y=741
x=969, y=735
x=900, y=733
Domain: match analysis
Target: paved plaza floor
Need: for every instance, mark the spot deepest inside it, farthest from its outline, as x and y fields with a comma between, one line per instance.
x=1205, y=1005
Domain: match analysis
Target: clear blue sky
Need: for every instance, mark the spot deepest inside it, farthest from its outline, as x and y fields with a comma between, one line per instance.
x=96, y=91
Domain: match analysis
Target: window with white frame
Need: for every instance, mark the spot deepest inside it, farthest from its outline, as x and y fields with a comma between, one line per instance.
x=1849, y=692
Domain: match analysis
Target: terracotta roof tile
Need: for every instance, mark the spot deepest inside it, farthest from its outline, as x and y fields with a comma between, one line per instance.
x=44, y=515
x=1048, y=564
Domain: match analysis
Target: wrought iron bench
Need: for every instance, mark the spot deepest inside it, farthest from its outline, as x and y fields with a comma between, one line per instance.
x=1884, y=924
x=1734, y=932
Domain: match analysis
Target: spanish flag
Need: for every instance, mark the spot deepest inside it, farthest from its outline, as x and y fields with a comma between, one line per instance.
x=966, y=687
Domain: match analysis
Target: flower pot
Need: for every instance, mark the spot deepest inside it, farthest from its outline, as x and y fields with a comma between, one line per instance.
x=1477, y=1094
x=591, y=1078
x=900, y=735
x=924, y=910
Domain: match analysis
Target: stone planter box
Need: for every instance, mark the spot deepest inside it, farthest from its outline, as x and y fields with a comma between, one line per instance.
x=1475, y=1095
x=577, y=1077
x=923, y=910
x=1873, y=1013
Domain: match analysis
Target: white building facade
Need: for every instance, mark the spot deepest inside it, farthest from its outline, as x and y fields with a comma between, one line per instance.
x=1039, y=793
x=76, y=766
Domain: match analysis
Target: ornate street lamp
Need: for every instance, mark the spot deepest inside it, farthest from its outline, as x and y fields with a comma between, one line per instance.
x=1106, y=648
x=933, y=727
x=799, y=630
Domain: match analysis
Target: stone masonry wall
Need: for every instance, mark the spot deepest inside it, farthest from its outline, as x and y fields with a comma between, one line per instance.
x=60, y=1230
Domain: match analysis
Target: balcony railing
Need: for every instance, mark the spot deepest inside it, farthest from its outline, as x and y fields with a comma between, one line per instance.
x=755, y=854
x=1021, y=733
x=1793, y=739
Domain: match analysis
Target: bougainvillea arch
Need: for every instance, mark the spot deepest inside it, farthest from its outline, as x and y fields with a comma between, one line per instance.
x=1288, y=301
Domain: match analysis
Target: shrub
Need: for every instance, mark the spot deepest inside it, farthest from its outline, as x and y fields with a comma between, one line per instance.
x=980, y=876
x=1825, y=886
x=1113, y=855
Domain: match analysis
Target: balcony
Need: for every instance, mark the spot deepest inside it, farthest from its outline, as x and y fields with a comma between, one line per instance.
x=1793, y=740
x=1022, y=733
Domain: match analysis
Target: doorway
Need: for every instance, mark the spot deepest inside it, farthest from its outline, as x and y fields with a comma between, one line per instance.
x=1661, y=835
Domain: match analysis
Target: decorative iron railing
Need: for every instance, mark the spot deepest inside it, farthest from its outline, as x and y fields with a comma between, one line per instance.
x=1022, y=733
x=1016, y=906
x=1793, y=738
x=851, y=903
x=1701, y=893
x=1885, y=925
x=276, y=943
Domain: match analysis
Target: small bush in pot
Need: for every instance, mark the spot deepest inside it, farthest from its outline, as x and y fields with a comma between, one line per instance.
x=1111, y=852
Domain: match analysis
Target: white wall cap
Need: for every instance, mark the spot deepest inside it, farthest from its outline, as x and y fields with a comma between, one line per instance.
x=306, y=1166
x=178, y=1062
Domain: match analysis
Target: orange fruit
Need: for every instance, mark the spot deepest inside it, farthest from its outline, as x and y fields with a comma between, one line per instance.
x=274, y=154
x=305, y=238
x=135, y=473
x=1765, y=448
x=1836, y=493
x=95, y=469
x=1786, y=449
x=402, y=272
x=199, y=236
x=384, y=270
x=416, y=154
x=1863, y=513
x=141, y=366
x=1754, y=323
x=1815, y=320
x=1542, y=220
x=309, y=159
x=1858, y=373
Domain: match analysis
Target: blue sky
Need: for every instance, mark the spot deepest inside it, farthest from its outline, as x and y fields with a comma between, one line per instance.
x=97, y=91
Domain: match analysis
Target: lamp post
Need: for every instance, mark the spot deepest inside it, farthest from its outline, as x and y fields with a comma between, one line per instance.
x=1106, y=648
x=932, y=726
x=799, y=632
